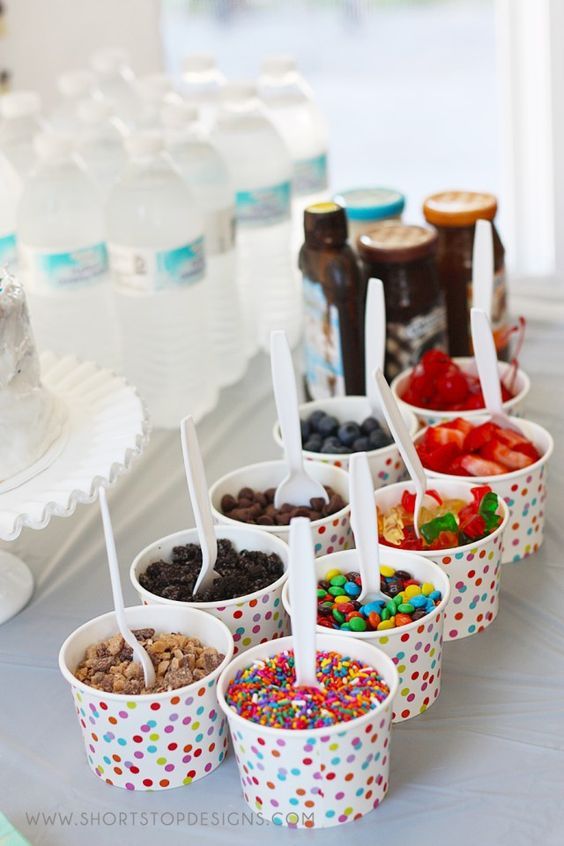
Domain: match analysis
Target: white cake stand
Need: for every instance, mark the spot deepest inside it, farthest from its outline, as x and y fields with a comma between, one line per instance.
x=107, y=428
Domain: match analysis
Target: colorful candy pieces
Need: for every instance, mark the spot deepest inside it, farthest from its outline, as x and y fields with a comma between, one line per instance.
x=409, y=600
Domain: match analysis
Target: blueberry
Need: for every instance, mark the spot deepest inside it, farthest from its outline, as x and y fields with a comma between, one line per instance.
x=313, y=443
x=370, y=425
x=378, y=438
x=361, y=445
x=333, y=441
x=328, y=448
x=314, y=419
x=327, y=426
x=348, y=433
x=342, y=450
x=305, y=429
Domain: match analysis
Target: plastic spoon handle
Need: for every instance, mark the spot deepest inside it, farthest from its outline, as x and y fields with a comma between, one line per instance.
x=375, y=338
x=199, y=497
x=486, y=361
x=483, y=267
x=303, y=594
x=365, y=526
x=139, y=653
x=404, y=444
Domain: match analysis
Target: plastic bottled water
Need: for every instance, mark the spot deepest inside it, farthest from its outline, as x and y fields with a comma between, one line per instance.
x=261, y=172
x=202, y=82
x=290, y=106
x=21, y=121
x=115, y=82
x=63, y=256
x=101, y=143
x=154, y=90
x=74, y=86
x=9, y=196
x=206, y=174
x=156, y=244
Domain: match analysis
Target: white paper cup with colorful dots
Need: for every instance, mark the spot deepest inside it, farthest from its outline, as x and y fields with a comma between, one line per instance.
x=386, y=465
x=314, y=778
x=524, y=492
x=474, y=570
x=429, y=417
x=330, y=534
x=251, y=619
x=154, y=741
x=416, y=649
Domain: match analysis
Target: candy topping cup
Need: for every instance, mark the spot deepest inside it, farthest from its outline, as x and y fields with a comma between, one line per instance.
x=474, y=570
x=523, y=491
x=428, y=416
x=385, y=463
x=330, y=533
x=155, y=741
x=416, y=649
x=251, y=619
x=314, y=778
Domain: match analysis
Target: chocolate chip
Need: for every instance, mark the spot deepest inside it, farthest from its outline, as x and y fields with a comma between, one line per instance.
x=228, y=503
x=257, y=507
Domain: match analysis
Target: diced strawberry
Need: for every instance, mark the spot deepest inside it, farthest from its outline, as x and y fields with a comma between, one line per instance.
x=475, y=465
x=518, y=442
x=437, y=436
x=510, y=458
x=528, y=449
x=479, y=436
x=460, y=424
x=455, y=468
x=440, y=458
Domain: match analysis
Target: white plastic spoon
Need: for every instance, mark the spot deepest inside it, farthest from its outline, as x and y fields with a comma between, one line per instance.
x=488, y=371
x=483, y=267
x=303, y=593
x=139, y=652
x=404, y=444
x=297, y=487
x=199, y=497
x=374, y=340
x=364, y=521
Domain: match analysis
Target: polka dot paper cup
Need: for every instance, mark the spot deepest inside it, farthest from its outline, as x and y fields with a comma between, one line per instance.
x=153, y=741
x=415, y=649
x=474, y=570
x=319, y=777
x=428, y=417
x=386, y=465
x=329, y=534
x=524, y=492
x=251, y=619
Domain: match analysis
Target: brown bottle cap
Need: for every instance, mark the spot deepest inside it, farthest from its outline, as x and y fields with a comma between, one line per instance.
x=395, y=242
x=459, y=208
x=325, y=224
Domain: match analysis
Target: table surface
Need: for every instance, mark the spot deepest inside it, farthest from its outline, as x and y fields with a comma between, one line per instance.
x=484, y=764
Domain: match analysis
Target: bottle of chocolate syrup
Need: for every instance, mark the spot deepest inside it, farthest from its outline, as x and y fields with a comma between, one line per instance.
x=334, y=296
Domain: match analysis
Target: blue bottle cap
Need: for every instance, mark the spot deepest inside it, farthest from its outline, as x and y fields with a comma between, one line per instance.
x=371, y=203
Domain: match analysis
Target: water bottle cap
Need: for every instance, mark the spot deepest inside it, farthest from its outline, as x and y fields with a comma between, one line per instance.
x=94, y=110
x=19, y=104
x=198, y=62
x=278, y=65
x=238, y=92
x=144, y=143
x=108, y=60
x=154, y=86
x=50, y=145
x=177, y=114
x=73, y=83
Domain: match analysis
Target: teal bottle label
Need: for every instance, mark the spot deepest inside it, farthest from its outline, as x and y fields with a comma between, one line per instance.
x=8, y=253
x=145, y=271
x=67, y=270
x=263, y=206
x=310, y=175
x=324, y=370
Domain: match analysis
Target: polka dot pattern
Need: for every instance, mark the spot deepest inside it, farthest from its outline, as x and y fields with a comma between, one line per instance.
x=525, y=496
x=317, y=780
x=142, y=745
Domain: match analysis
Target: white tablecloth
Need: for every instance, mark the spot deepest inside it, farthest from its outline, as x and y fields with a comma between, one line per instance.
x=483, y=765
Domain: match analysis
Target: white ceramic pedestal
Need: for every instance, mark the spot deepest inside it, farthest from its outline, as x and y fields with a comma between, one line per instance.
x=16, y=585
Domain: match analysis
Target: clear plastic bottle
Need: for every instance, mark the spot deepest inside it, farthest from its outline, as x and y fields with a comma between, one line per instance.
x=115, y=82
x=261, y=172
x=21, y=121
x=154, y=90
x=202, y=82
x=289, y=103
x=157, y=258
x=207, y=176
x=9, y=197
x=63, y=256
x=100, y=144
x=74, y=86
